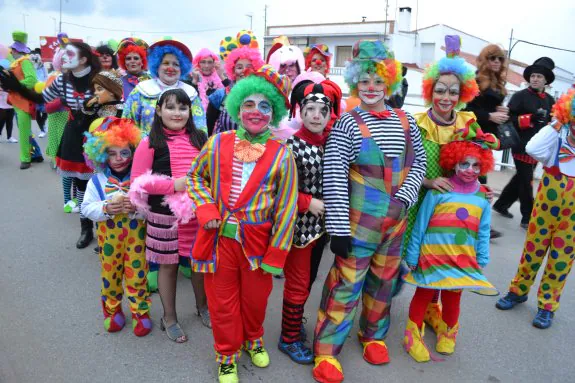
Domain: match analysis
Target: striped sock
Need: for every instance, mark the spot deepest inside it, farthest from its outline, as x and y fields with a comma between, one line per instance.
x=80, y=196
x=292, y=316
x=67, y=186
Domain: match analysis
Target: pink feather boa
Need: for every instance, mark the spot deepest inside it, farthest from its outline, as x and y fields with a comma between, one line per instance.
x=179, y=203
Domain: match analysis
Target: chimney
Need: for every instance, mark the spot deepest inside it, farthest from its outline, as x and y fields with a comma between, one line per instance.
x=404, y=19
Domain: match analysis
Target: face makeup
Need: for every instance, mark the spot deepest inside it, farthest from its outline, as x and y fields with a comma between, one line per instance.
x=169, y=70
x=468, y=170
x=71, y=57
x=133, y=63
x=371, y=89
x=256, y=113
x=446, y=95
x=319, y=64
x=119, y=158
x=105, y=61
x=290, y=70
x=242, y=68
x=315, y=116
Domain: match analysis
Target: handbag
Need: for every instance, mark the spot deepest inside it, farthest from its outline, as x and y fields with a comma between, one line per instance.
x=508, y=136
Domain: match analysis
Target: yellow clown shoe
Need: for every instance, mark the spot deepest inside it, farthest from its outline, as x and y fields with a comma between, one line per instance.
x=413, y=342
x=446, y=339
x=260, y=357
x=228, y=373
x=327, y=370
x=433, y=316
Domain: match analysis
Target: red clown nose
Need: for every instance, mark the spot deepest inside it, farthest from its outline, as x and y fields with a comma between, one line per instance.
x=318, y=62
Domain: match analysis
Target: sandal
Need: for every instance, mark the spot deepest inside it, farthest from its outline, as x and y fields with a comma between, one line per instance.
x=174, y=332
x=204, y=315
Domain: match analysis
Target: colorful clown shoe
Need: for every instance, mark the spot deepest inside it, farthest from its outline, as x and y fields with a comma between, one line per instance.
x=113, y=322
x=228, y=373
x=432, y=316
x=446, y=339
x=543, y=319
x=260, y=357
x=375, y=352
x=413, y=342
x=141, y=324
x=297, y=352
x=327, y=370
x=509, y=301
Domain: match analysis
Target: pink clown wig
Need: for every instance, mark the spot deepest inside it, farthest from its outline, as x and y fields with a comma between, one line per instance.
x=212, y=81
x=251, y=54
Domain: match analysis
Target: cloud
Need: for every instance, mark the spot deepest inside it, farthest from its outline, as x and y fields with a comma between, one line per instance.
x=72, y=7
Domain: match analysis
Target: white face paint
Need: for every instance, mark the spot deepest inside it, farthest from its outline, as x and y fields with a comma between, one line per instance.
x=71, y=57
x=468, y=170
x=315, y=116
x=256, y=113
x=371, y=89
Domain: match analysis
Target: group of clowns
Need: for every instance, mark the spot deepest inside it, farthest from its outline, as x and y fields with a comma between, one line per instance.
x=234, y=169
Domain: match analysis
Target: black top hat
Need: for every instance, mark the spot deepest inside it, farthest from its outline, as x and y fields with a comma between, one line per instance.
x=543, y=65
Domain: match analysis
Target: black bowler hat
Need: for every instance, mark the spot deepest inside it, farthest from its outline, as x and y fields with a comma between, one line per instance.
x=543, y=65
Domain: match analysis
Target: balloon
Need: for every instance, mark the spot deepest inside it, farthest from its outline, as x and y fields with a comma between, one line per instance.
x=113, y=44
x=39, y=86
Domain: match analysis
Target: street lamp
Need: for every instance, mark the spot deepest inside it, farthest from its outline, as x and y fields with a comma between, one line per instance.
x=55, y=25
x=24, y=15
x=251, y=16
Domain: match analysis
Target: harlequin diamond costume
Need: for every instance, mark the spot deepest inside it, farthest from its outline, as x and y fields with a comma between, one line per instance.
x=121, y=237
x=550, y=233
x=244, y=185
x=373, y=167
x=307, y=145
x=437, y=132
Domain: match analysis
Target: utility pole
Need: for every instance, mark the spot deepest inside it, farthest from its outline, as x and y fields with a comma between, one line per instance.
x=60, y=27
x=24, y=17
x=385, y=30
x=251, y=16
x=265, y=27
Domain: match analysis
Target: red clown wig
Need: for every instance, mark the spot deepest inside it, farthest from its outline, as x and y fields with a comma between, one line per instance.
x=141, y=51
x=455, y=152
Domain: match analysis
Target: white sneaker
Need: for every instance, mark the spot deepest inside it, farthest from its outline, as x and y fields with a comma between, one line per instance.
x=76, y=209
x=42, y=134
x=12, y=140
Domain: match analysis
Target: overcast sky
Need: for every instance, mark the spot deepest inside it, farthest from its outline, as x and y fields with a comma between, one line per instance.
x=203, y=23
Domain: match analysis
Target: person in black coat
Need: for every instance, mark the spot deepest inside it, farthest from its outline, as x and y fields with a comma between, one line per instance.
x=529, y=110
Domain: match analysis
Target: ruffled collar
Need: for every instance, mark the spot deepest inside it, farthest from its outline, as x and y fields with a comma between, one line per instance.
x=83, y=72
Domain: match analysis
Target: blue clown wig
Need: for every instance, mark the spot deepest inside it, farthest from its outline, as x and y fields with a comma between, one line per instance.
x=156, y=55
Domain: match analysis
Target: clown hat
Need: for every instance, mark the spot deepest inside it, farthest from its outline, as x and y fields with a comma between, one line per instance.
x=282, y=83
x=317, y=48
x=243, y=38
x=20, y=40
x=176, y=44
x=124, y=43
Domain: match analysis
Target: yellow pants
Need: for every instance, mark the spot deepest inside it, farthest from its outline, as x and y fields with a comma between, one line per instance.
x=122, y=243
x=550, y=232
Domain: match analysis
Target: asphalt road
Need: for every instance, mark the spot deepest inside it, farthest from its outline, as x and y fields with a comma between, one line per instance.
x=51, y=327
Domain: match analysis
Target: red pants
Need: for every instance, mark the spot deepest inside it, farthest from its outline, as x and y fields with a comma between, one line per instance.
x=237, y=300
x=450, y=301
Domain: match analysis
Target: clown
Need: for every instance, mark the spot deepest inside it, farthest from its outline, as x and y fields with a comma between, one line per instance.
x=208, y=74
x=287, y=59
x=169, y=62
x=133, y=58
x=365, y=211
x=448, y=85
x=106, y=57
x=449, y=245
x=318, y=59
x=550, y=231
x=244, y=185
x=241, y=57
x=24, y=70
x=121, y=231
x=316, y=102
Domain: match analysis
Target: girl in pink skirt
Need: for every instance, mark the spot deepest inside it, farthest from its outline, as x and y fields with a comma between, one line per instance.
x=160, y=165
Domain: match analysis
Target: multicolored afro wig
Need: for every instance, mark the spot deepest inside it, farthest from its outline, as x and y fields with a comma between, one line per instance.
x=322, y=49
x=132, y=45
x=455, y=152
x=372, y=56
x=266, y=81
x=451, y=64
x=158, y=50
x=564, y=109
x=202, y=54
x=112, y=131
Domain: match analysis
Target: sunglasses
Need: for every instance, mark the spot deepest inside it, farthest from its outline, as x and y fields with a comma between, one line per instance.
x=496, y=58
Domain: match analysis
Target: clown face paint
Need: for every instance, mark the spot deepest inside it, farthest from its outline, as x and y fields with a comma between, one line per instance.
x=105, y=61
x=133, y=63
x=319, y=64
x=242, y=68
x=371, y=89
x=468, y=170
x=445, y=95
x=315, y=116
x=169, y=71
x=289, y=69
x=103, y=95
x=71, y=57
x=119, y=158
x=256, y=113
x=207, y=66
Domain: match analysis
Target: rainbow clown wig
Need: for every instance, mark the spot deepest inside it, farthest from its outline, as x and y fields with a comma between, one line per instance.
x=455, y=152
x=455, y=65
x=132, y=45
x=158, y=50
x=372, y=56
x=564, y=109
x=266, y=81
x=112, y=131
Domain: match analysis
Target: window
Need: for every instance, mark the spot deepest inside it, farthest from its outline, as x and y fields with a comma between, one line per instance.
x=342, y=54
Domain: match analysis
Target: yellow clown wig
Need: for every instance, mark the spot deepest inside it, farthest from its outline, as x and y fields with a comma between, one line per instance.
x=372, y=56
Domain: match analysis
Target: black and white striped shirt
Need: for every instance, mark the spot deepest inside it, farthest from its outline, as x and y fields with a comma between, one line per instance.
x=72, y=99
x=342, y=149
